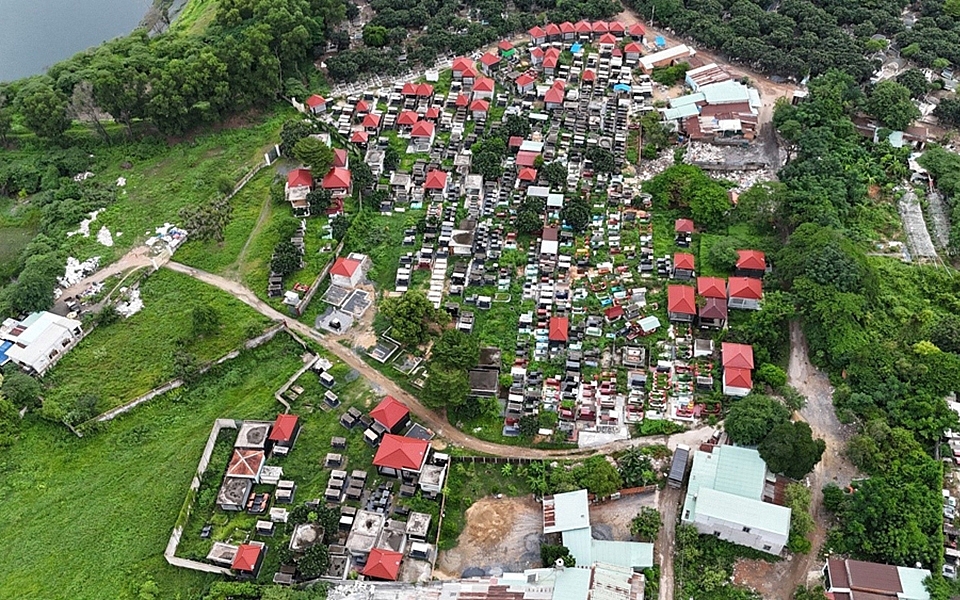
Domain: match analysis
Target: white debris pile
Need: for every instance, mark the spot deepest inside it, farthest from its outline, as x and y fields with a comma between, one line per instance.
x=167, y=237
x=104, y=237
x=76, y=270
x=121, y=181
x=84, y=228
x=697, y=152
x=744, y=180
x=82, y=176
x=651, y=168
x=354, y=591
x=131, y=303
x=92, y=290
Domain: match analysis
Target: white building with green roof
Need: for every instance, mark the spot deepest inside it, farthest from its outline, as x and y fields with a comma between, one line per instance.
x=725, y=499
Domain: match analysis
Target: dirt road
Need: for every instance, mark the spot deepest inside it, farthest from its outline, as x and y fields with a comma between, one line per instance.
x=429, y=418
x=137, y=258
x=779, y=580
x=670, y=499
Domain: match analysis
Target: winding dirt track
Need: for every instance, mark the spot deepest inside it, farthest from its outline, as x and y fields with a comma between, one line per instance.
x=429, y=417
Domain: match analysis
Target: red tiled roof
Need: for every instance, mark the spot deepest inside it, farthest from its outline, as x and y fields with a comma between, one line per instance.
x=525, y=158
x=583, y=27
x=608, y=38
x=636, y=29
x=559, y=329
x=300, y=177
x=600, y=27
x=383, y=564
x=337, y=179
x=424, y=90
x=479, y=106
x=389, y=412
x=738, y=378
x=633, y=48
x=461, y=63
x=398, y=452
x=736, y=356
x=588, y=75
x=433, y=112
x=283, y=428
x=484, y=84
x=550, y=61
x=617, y=27
x=525, y=79
x=554, y=96
x=712, y=287
x=515, y=141
x=683, y=260
x=489, y=59
x=537, y=52
x=246, y=557
x=567, y=27
x=423, y=129
x=553, y=52
x=683, y=226
x=553, y=29
x=436, y=180
x=528, y=174
x=614, y=312
x=371, y=120
x=745, y=287
x=537, y=32
x=360, y=137
x=345, y=267
x=408, y=117
x=339, y=157
x=505, y=45
x=315, y=100
x=462, y=100
x=751, y=259
x=680, y=299
x=362, y=106
x=417, y=89
x=245, y=462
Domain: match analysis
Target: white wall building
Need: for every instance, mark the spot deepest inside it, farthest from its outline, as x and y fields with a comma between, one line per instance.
x=39, y=341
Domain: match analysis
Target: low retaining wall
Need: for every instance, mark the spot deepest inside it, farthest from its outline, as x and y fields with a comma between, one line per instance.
x=302, y=305
x=171, y=550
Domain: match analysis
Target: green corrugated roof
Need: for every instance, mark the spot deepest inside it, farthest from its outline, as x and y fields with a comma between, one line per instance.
x=731, y=469
x=680, y=112
x=911, y=580
x=629, y=555
x=571, y=584
x=571, y=511
x=580, y=544
x=725, y=92
x=755, y=514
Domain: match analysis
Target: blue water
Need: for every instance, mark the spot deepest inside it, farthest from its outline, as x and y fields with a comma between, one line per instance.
x=35, y=34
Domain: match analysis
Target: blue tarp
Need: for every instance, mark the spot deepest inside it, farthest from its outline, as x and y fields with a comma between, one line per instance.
x=576, y=48
x=659, y=41
x=621, y=87
x=4, y=346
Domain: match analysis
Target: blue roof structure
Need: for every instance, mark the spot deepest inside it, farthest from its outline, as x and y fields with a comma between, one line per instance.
x=4, y=346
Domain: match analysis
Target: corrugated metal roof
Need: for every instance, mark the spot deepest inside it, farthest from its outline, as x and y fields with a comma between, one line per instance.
x=730, y=469
x=569, y=511
x=754, y=514
x=912, y=582
x=725, y=92
x=580, y=544
x=572, y=584
x=629, y=555
x=681, y=112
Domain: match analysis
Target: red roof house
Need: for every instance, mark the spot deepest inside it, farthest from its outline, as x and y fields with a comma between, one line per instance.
x=600, y=27
x=536, y=56
x=712, y=287
x=613, y=313
x=683, y=226
x=391, y=413
x=408, y=118
x=383, y=564
x=681, y=303
x=397, y=453
x=488, y=62
x=617, y=28
x=436, y=181
x=299, y=178
x=559, y=329
x=751, y=263
x=525, y=82
x=636, y=31
x=683, y=265
x=462, y=100
x=461, y=64
x=528, y=174
x=607, y=42
x=737, y=382
x=371, y=121
x=285, y=430
x=340, y=158
x=589, y=76
x=713, y=313
x=583, y=28
x=568, y=30
x=248, y=559
x=359, y=137
x=362, y=107
x=744, y=292
x=552, y=30
x=483, y=88
x=736, y=356
x=316, y=104
x=433, y=113
x=337, y=180
x=479, y=107
x=420, y=90
x=633, y=51
x=526, y=158
x=423, y=129
x=537, y=34
x=346, y=272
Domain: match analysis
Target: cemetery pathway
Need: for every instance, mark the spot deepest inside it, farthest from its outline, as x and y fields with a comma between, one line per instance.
x=429, y=417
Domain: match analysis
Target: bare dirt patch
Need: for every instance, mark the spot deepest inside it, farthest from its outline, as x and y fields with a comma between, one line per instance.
x=611, y=520
x=501, y=535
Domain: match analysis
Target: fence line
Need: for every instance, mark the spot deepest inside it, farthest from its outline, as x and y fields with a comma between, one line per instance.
x=171, y=550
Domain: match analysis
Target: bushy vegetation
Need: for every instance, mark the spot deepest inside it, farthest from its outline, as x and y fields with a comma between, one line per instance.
x=704, y=566
x=944, y=167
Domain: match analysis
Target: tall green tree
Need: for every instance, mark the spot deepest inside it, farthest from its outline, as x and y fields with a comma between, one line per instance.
x=315, y=154
x=791, y=449
x=44, y=108
x=890, y=102
x=751, y=419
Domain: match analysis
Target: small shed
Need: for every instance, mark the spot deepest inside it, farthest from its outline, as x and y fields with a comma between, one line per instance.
x=678, y=468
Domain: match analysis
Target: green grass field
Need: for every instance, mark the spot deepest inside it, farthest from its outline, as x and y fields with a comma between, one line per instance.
x=195, y=16
x=164, y=179
x=89, y=518
x=122, y=361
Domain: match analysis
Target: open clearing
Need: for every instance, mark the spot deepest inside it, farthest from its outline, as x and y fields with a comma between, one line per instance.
x=126, y=359
x=101, y=508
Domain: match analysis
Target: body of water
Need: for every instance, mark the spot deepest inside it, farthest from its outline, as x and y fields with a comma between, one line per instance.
x=35, y=34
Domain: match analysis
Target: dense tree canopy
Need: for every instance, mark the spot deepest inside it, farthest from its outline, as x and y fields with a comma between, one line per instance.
x=690, y=189
x=751, y=419
x=791, y=449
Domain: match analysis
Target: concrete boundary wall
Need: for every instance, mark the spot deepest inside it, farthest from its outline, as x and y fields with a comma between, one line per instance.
x=171, y=550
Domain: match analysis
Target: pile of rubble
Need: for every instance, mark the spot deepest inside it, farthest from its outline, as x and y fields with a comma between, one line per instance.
x=130, y=304
x=76, y=271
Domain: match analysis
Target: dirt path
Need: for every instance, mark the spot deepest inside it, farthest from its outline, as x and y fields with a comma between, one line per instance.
x=670, y=499
x=384, y=385
x=137, y=258
x=779, y=580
